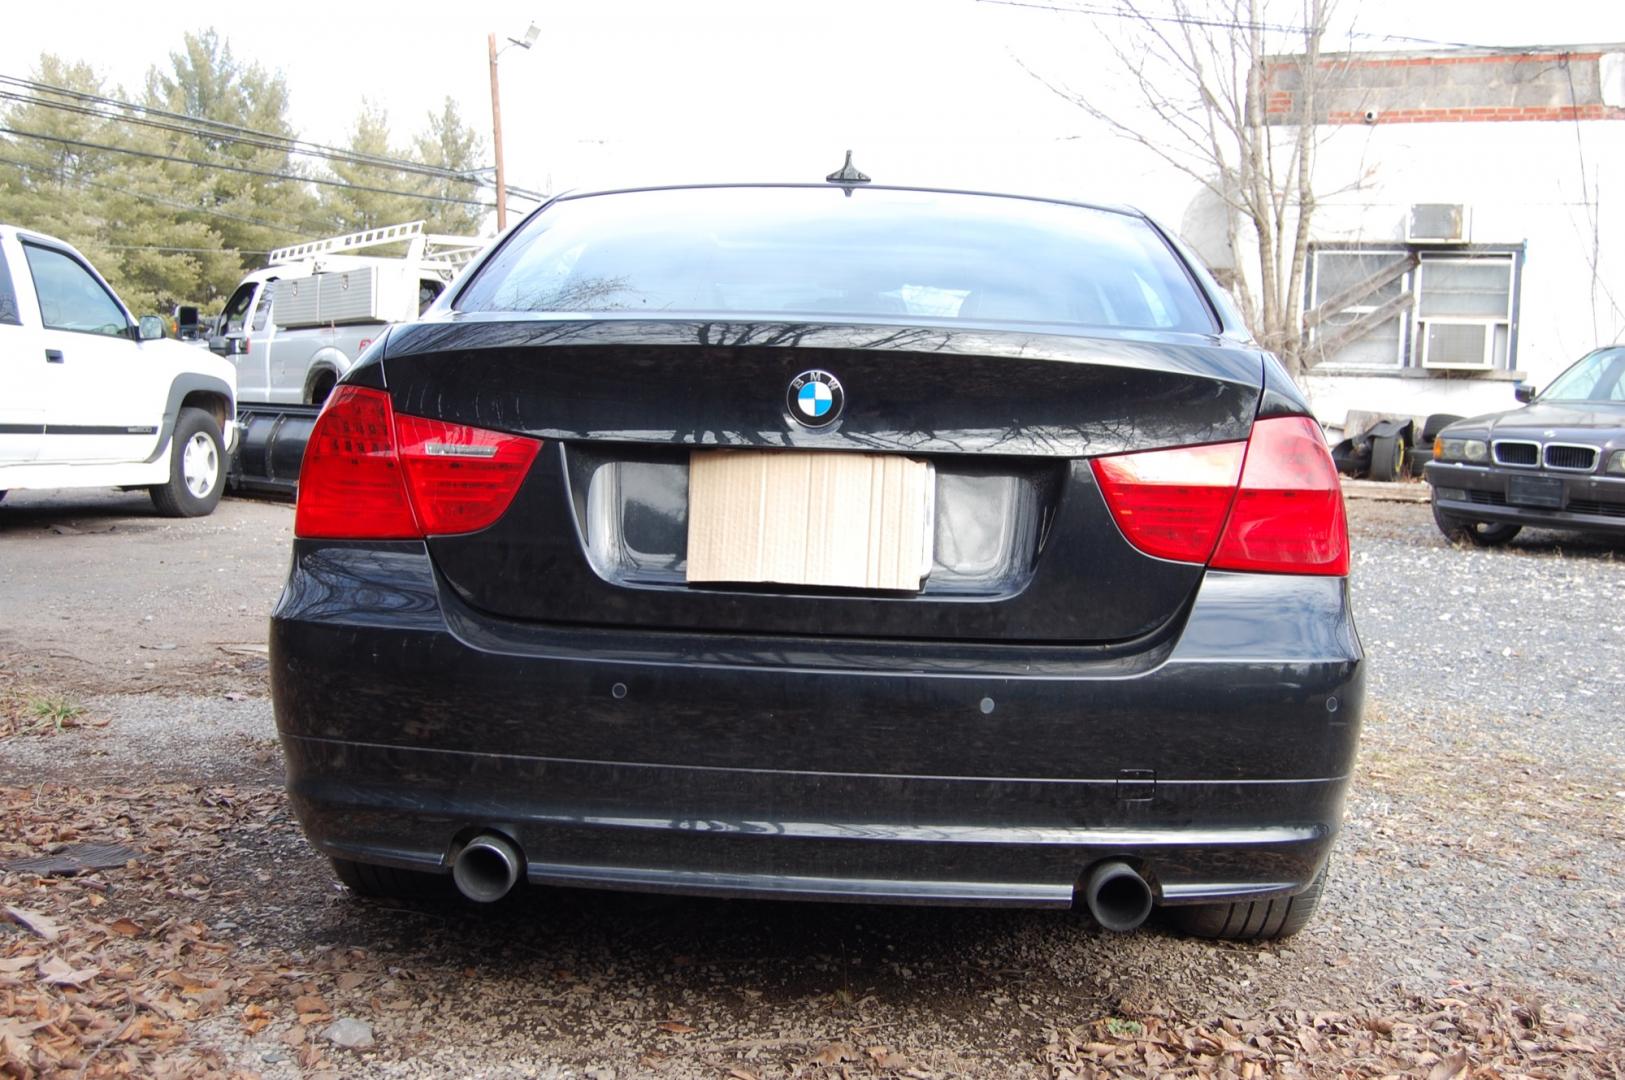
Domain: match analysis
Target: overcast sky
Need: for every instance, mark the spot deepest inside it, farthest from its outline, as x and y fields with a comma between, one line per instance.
x=625, y=92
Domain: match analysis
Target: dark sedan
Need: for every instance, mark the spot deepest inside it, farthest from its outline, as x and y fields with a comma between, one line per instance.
x=1558, y=462
x=827, y=542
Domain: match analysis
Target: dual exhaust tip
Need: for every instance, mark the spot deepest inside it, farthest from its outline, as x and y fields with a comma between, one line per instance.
x=489, y=866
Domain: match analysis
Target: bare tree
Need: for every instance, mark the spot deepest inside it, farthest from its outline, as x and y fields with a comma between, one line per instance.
x=1213, y=103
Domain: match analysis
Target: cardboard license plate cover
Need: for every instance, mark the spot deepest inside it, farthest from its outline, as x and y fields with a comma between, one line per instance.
x=792, y=517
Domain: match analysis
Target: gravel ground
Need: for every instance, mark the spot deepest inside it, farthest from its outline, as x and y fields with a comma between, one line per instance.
x=1492, y=781
x=1482, y=849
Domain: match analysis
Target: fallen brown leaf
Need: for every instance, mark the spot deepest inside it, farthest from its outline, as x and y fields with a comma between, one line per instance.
x=59, y=972
x=34, y=922
x=676, y=1027
x=1452, y=1067
x=833, y=1054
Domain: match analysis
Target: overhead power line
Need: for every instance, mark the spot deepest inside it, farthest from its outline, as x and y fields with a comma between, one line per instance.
x=228, y=167
x=263, y=142
x=182, y=250
x=1119, y=12
x=203, y=127
x=80, y=181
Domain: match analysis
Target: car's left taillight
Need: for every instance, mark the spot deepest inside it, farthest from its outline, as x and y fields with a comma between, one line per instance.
x=370, y=474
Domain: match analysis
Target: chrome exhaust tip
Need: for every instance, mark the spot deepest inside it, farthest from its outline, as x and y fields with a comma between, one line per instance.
x=487, y=868
x=1117, y=896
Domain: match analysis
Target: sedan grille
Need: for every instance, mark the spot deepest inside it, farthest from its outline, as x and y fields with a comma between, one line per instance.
x=1508, y=452
x=1573, y=458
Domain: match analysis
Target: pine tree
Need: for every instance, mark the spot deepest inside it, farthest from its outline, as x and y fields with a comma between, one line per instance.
x=250, y=213
x=451, y=144
x=44, y=183
x=351, y=209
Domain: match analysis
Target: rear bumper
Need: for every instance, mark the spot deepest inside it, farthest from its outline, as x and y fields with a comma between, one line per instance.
x=1481, y=493
x=1216, y=759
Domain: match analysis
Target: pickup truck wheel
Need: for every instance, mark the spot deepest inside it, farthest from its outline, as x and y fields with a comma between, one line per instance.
x=321, y=386
x=197, y=467
x=1477, y=533
x=1252, y=920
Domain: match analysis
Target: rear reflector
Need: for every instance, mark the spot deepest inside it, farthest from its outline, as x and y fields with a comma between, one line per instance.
x=1284, y=516
x=1288, y=516
x=1172, y=503
x=369, y=474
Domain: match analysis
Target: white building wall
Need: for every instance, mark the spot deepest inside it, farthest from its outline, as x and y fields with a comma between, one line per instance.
x=1521, y=181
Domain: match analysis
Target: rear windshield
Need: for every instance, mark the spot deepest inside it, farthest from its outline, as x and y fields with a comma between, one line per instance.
x=817, y=252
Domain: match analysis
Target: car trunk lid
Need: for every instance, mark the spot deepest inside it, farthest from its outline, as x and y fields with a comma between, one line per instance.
x=1021, y=544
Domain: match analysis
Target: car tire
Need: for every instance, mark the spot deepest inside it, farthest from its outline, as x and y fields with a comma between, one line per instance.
x=1251, y=920
x=1431, y=427
x=380, y=882
x=1388, y=461
x=197, y=467
x=1478, y=533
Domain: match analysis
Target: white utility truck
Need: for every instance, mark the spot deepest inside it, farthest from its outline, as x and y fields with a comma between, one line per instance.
x=294, y=328
x=90, y=397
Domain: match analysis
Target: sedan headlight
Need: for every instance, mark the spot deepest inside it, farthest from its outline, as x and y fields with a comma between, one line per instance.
x=1474, y=450
x=1616, y=463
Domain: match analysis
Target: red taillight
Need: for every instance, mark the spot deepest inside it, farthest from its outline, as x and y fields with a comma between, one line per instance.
x=461, y=478
x=1288, y=517
x=1171, y=503
x=371, y=475
x=1285, y=515
x=350, y=483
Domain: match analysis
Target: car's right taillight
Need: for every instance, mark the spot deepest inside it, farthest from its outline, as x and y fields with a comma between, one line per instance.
x=1271, y=504
x=1288, y=514
x=369, y=474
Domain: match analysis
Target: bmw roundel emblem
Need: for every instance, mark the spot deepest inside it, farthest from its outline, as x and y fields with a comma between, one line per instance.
x=815, y=398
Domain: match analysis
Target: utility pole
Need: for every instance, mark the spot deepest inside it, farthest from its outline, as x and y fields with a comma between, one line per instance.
x=496, y=116
x=496, y=140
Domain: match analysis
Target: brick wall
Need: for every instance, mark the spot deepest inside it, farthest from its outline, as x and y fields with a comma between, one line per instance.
x=1411, y=88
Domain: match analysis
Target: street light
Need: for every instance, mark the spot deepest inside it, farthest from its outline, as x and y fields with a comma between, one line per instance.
x=496, y=116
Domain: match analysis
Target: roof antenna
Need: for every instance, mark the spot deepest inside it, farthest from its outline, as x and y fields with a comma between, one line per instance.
x=847, y=175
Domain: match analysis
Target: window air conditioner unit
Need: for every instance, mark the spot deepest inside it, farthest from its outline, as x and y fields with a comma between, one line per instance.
x=1438, y=223
x=1458, y=344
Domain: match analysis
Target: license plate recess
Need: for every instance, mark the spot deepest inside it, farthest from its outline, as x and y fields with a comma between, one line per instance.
x=818, y=518
x=1542, y=491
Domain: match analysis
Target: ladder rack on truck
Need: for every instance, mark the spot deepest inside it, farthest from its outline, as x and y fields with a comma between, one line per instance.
x=427, y=250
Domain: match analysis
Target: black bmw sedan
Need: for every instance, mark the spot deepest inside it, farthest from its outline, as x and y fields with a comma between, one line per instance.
x=1558, y=462
x=826, y=542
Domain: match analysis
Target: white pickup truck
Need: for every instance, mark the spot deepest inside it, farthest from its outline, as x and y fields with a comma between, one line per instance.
x=90, y=397
x=294, y=328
